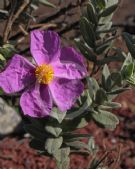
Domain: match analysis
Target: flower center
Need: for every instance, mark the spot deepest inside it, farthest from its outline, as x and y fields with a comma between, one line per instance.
x=44, y=73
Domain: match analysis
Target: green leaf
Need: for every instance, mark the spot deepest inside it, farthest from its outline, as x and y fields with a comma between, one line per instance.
x=62, y=158
x=92, y=87
x=69, y=137
x=131, y=47
x=100, y=96
x=109, y=10
x=111, y=2
x=91, y=144
x=105, y=75
x=37, y=144
x=53, y=144
x=128, y=60
x=117, y=78
x=87, y=32
x=92, y=16
x=101, y=3
x=102, y=48
x=87, y=53
x=55, y=131
x=110, y=105
x=82, y=123
x=61, y=154
x=105, y=118
x=77, y=145
x=35, y=132
x=57, y=114
x=86, y=103
x=128, y=70
x=117, y=91
x=2, y=57
x=111, y=30
x=47, y=3
x=7, y=50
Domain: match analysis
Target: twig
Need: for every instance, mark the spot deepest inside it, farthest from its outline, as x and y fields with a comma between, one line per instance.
x=13, y=18
x=118, y=158
x=23, y=30
x=9, y=22
x=43, y=26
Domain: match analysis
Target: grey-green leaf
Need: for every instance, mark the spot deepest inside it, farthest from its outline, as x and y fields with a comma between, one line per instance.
x=62, y=154
x=110, y=105
x=55, y=131
x=92, y=16
x=100, y=96
x=105, y=118
x=109, y=10
x=53, y=144
x=47, y=3
x=92, y=87
x=87, y=32
x=58, y=115
x=62, y=158
x=131, y=46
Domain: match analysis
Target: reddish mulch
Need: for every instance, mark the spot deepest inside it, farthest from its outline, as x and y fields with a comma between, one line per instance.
x=16, y=154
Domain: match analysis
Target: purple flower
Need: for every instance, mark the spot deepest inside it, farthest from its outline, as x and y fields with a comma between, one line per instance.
x=54, y=79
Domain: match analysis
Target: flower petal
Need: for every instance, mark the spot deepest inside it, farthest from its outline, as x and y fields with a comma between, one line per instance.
x=70, y=55
x=45, y=46
x=65, y=92
x=71, y=65
x=36, y=101
x=18, y=74
x=69, y=70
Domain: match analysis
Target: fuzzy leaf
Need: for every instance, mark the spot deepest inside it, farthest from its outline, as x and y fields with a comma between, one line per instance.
x=117, y=78
x=78, y=145
x=53, y=144
x=86, y=103
x=131, y=47
x=58, y=115
x=91, y=144
x=105, y=75
x=109, y=10
x=101, y=3
x=62, y=158
x=106, y=119
x=55, y=131
x=87, y=32
x=62, y=154
x=75, y=137
x=2, y=58
x=100, y=96
x=92, y=16
x=110, y=105
x=117, y=91
x=37, y=144
x=47, y=3
x=87, y=53
x=93, y=87
x=35, y=132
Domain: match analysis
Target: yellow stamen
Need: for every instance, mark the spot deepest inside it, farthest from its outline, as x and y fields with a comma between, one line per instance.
x=44, y=74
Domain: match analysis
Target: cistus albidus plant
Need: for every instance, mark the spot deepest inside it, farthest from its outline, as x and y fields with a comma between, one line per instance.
x=53, y=98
